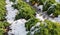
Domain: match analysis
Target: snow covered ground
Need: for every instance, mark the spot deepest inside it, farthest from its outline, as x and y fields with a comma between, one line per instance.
x=57, y=1
x=11, y=12
x=18, y=26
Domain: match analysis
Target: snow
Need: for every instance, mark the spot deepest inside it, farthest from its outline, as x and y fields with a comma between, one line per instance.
x=39, y=17
x=57, y=19
x=37, y=24
x=57, y=1
x=27, y=0
x=40, y=7
x=18, y=26
x=11, y=12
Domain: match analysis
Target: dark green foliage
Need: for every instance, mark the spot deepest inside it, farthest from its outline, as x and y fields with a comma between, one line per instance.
x=31, y=23
x=57, y=10
x=3, y=25
x=36, y=1
x=25, y=11
x=41, y=2
x=46, y=5
x=2, y=10
x=13, y=0
x=51, y=9
x=49, y=28
x=45, y=28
